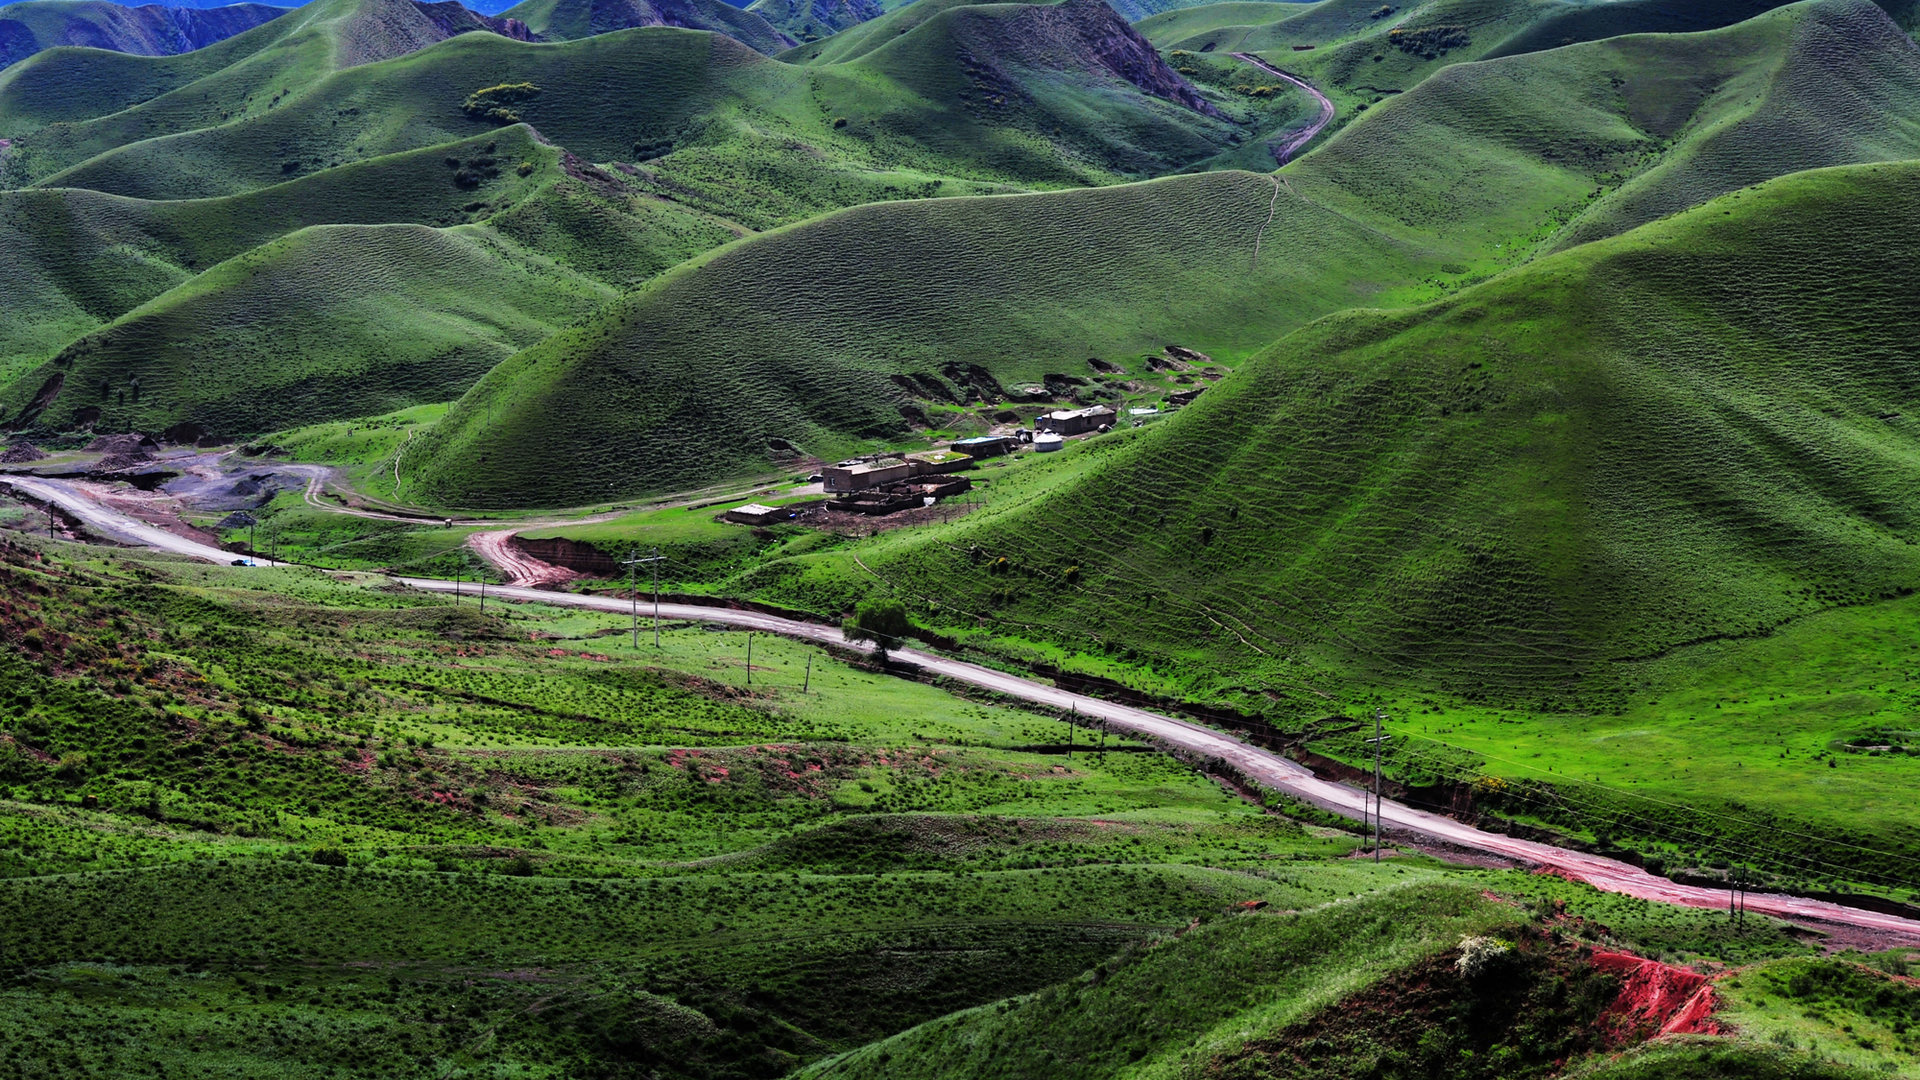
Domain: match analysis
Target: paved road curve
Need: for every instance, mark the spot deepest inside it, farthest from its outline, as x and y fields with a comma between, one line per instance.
x=1265, y=766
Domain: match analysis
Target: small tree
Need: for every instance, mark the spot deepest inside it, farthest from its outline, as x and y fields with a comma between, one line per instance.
x=879, y=620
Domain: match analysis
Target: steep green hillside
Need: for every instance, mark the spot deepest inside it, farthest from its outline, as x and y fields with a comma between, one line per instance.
x=1825, y=102
x=151, y=30
x=1029, y=94
x=79, y=258
x=1469, y=173
x=1688, y=432
x=565, y=20
x=354, y=321
x=1362, y=53
x=811, y=20
x=1167, y=1010
x=64, y=106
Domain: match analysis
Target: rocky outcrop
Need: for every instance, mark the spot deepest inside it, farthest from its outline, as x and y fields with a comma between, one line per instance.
x=1090, y=36
x=383, y=29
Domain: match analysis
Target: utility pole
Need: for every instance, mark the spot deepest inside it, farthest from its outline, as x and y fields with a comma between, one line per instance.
x=749, y=658
x=633, y=586
x=1075, y=711
x=1377, y=739
x=808, y=681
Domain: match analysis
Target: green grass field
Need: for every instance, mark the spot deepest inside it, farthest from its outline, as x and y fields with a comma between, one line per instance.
x=274, y=822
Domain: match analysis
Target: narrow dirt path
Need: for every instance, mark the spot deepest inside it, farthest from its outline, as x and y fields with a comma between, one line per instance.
x=1283, y=151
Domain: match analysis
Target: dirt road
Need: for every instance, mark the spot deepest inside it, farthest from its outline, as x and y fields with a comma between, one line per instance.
x=1264, y=766
x=1284, y=150
x=112, y=523
x=1268, y=768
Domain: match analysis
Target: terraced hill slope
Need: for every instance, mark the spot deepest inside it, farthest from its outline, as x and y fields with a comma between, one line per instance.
x=565, y=20
x=1695, y=430
x=149, y=30
x=1461, y=177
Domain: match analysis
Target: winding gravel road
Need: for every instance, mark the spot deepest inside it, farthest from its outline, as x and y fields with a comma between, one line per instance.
x=1283, y=151
x=1268, y=768
x=112, y=523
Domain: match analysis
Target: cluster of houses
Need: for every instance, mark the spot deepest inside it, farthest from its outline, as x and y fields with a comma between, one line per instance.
x=890, y=484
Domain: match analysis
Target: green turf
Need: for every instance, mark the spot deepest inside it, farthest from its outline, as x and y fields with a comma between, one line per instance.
x=275, y=822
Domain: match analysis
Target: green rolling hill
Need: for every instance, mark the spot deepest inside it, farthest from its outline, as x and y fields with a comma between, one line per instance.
x=79, y=258
x=1362, y=53
x=63, y=106
x=810, y=20
x=397, y=285
x=815, y=139
x=1446, y=184
x=566, y=20
x=1696, y=430
x=1025, y=94
x=151, y=30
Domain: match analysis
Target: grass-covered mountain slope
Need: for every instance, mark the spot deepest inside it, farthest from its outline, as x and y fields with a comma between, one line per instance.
x=1361, y=54
x=1030, y=94
x=811, y=20
x=1464, y=175
x=412, y=284
x=1692, y=431
x=61, y=107
x=565, y=20
x=79, y=258
x=150, y=30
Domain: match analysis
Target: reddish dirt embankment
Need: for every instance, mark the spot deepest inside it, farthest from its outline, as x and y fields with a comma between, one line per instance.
x=1657, y=999
x=521, y=568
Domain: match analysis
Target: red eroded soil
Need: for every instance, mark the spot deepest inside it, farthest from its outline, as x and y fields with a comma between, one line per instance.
x=1540, y=1007
x=1657, y=999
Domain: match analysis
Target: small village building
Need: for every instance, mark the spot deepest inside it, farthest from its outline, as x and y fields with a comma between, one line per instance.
x=939, y=461
x=837, y=479
x=1075, y=421
x=1047, y=442
x=756, y=514
x=981, y=446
